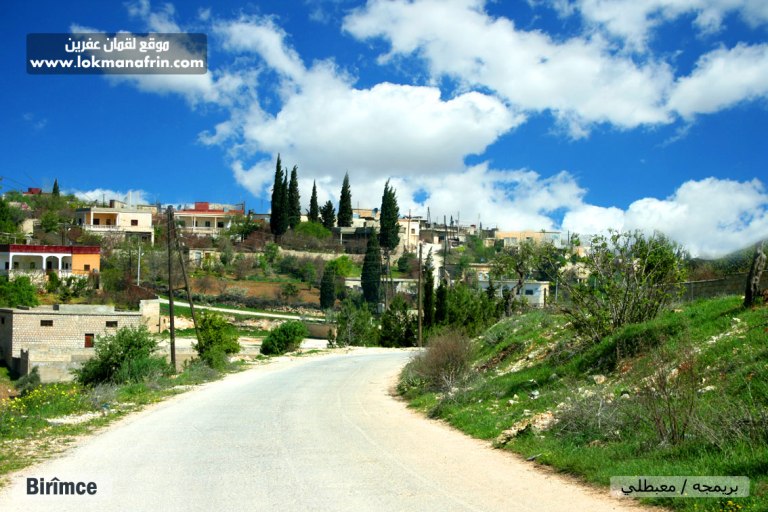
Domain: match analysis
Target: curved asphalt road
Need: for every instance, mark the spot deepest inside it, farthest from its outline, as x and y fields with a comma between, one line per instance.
x=314, y=434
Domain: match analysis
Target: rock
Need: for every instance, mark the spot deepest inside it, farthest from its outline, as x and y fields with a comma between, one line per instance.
x=599, y=379
x=537, y=424
x=707, y=389
x=535, y=394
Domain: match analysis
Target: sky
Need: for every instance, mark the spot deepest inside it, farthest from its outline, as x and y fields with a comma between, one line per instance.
x=571, y=115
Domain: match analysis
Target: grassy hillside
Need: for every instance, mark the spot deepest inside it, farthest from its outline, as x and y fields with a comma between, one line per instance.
x=684, y=394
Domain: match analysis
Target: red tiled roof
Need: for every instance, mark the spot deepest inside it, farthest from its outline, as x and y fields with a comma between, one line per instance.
x=71, y=249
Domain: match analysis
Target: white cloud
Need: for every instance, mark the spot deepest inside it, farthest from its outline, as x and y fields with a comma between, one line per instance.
x=103, y=194
x=721, y=79
x=634, y=21
x=580, y=80
x=710, y=217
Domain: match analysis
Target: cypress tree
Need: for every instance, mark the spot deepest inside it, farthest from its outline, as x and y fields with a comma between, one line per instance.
x=276, y=217
x=328, y=287
x=429, y=292
x=389, y=236
x=55, y=192
x=314, y=210
x=441, y=303
x=286, y=207
x=345, y=204
x=328, y=215
x=370, y=278
x=294, y=200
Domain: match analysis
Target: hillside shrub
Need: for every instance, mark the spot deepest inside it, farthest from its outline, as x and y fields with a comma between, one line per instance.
x=218, y=339
x=286, y=337
x=128, y=356
x=444, y=365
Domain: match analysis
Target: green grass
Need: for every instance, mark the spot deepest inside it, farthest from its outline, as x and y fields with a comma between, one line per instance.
x=716, y=342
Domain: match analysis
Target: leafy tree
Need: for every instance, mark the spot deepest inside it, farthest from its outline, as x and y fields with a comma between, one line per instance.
x=313, y=229
x=631, y=279
x=218, y=338
x=441, y=303
x=19, y=292
x=345, y=204
x=398, y=328
x=370, y=278
x=126, y=356
x=284, y=338
x=355, y=325
x=519, y=261
x=278, y=219
x=272, y=253
x=294, y=200
x=328, y=287
x=314, y=210
x=8, y=220
x=428, y=303
x=328, y=215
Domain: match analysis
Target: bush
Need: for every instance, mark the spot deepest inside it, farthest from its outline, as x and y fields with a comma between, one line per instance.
x=127, y=356
x=445, y=364
x=218, y=338
x=355, y=325
x=19, y=292
x=284, y=338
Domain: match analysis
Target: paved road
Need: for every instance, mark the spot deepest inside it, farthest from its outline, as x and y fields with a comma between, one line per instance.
x=315, y=434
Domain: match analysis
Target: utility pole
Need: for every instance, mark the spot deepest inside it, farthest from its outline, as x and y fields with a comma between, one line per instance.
x=420, y=305
x=169, y=233
x=186, y=285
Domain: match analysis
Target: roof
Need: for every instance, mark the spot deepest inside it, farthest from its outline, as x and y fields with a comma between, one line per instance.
x=71, y=249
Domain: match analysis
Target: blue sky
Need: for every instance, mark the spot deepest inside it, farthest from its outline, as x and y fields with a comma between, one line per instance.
x=580, y=115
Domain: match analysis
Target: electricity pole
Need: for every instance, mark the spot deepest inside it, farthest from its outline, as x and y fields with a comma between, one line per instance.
x=169, y=234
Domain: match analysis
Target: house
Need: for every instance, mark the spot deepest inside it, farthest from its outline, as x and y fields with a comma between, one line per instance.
x=515, y=238
x=207, y=219
x=534, y=292
x=59, y=338
x=37, y=260
x=119, y=220
x=410, y=233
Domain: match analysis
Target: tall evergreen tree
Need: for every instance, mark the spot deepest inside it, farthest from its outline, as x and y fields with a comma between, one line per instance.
x=389, y=236
x=328, y=287
x=429, y=292
x=328, y=215
x=314, y=210
x=277, y=218
x=441, y=303
x=370, y=278
x=294, y=200
x=345, y=204
x=55, y=192
x=286, y=207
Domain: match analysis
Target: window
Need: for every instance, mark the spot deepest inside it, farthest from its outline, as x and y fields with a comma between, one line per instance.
x=15, y=265
x=207, y=223
x=88, y=341
x=109, y=222
x=31, y=265
x=182, y=224
x=529, y=292
x=7, y=265
x=134, y=222
x=2, y=320
x=219, y=224
x=86, y=267
x=111, y=323
x=96, y=222
x=46, y=323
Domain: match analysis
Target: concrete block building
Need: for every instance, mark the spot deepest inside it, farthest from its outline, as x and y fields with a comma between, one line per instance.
x=57, y=339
